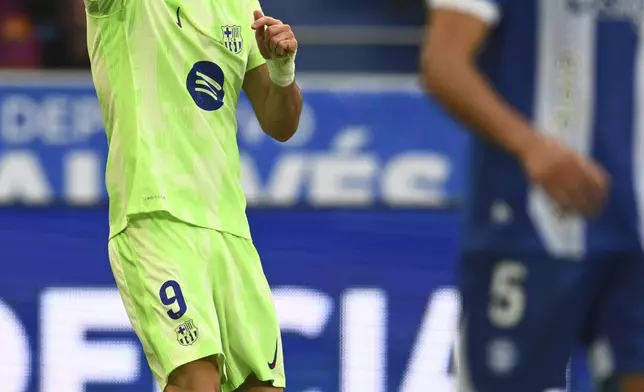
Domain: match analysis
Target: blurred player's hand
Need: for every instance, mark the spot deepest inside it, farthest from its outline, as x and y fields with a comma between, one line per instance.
x=575, y=183
x=274, y=38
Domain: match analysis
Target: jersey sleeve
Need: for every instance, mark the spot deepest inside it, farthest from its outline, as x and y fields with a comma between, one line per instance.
x=255, y=58
x=99, y=8
x=488, y=11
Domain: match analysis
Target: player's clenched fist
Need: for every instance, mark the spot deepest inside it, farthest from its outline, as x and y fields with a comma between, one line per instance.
x=277, y=43
x=274, y=38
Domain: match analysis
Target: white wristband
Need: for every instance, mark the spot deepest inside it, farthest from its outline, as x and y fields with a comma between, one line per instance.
x=282, y=70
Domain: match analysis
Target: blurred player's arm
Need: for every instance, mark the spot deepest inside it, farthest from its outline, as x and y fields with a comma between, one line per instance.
x=456, y=30
x=271, y=87
x=453, y=39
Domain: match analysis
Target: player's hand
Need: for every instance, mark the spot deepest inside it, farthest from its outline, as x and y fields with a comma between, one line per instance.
x=274, y=38
x=575, y=183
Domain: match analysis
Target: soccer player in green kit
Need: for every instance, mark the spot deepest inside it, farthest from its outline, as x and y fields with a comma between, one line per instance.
x=168, y=75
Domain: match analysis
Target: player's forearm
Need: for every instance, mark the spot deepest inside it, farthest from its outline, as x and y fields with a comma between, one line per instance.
x=466, y=93
x=281, y=111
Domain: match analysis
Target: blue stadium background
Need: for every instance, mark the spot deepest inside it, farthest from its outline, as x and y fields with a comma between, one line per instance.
x=356, y=219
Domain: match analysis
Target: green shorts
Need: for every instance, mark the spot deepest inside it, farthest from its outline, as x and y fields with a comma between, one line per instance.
x=191, y=293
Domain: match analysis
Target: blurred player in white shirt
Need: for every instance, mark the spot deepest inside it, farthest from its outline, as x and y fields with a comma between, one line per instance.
x=552, y=255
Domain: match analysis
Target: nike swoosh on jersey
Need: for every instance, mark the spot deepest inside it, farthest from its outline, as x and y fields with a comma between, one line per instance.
x=271, y=365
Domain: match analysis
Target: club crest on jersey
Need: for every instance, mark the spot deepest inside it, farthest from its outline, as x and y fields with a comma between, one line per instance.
x=187, y=333
x=232, y=38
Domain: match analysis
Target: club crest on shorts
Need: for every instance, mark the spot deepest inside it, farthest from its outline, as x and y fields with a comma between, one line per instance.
x=187, y=333
x=232, y=38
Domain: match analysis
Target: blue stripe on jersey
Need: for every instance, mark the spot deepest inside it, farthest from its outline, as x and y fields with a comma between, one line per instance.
x=497, y=215
x=495, y=175
x=613, y=133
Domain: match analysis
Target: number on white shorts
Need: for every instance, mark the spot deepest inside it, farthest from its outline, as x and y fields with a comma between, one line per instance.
x=507, y=294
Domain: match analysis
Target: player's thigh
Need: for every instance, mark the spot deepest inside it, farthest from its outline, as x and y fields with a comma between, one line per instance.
x=618, y=346
x=201, y=375
x=253, y=384
x=161, y=275
x=519, y=322
x=250, y=329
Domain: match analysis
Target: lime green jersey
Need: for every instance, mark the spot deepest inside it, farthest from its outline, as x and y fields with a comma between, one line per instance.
x=168, y=75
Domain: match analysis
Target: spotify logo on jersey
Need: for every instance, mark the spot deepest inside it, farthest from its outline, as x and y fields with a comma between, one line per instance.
x=205, y=83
